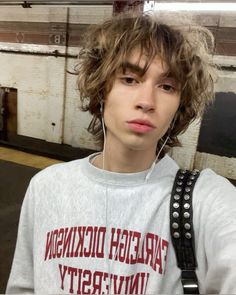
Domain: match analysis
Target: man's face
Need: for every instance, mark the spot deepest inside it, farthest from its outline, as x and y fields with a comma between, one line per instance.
x=140, y=106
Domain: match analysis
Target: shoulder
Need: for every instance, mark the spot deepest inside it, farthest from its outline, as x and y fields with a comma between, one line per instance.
x=57, y=173
x=214, y=193
x=55, y=181
x=211, y=182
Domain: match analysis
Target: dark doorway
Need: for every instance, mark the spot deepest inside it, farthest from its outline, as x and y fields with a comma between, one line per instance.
x=217, y=133
x=8, y=112
x=10, y=137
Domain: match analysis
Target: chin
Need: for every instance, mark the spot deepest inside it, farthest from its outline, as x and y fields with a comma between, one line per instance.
x=140, y=147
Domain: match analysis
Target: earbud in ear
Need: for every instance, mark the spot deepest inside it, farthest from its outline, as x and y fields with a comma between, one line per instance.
x=101, y=107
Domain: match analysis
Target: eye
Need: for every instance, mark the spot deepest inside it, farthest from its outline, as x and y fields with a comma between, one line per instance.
x=168, y=87
x=129, y=80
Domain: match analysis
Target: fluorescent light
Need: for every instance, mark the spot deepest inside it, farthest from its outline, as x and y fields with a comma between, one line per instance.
x=178, y=6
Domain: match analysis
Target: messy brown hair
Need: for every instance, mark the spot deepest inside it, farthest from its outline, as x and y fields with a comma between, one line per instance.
x=186, y=49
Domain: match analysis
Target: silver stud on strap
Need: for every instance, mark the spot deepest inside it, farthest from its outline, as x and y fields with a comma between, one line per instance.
x=186, y=215
x=186, y=197
x=187, y=189
x=176, y=235
x=186, y=206
x=188, y=235
x=176, y=197
x=176, y=205
x=187, y=226
x=178, y=189
x=175, y=225
x=175, y=214
x=195, y=172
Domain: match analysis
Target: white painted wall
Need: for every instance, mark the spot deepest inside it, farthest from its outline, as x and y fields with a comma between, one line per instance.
x=40, y=85
x=76, y=121
x=46, y=93
x=82, y=14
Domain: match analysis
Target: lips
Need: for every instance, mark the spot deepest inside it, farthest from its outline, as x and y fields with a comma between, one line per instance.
x=142, y=122
x=140, y=125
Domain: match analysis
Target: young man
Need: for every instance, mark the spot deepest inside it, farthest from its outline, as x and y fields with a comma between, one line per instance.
x=100, y=225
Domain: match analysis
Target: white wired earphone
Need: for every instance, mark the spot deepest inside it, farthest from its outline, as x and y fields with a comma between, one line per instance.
x=158, y=154
x=146, y=178
x=160, y=150
x=106, y=195
x=104, y=135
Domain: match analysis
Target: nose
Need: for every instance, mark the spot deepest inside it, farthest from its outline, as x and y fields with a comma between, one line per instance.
x=146, y=99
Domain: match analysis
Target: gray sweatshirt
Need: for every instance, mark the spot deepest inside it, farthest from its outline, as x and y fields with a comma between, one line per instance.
x=83, y=230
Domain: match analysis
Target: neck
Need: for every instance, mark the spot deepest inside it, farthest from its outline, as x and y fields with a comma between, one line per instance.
x=124, y=161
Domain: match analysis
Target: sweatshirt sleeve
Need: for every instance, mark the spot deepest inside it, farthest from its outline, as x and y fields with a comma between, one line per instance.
x=21, y=278
x=220, y=235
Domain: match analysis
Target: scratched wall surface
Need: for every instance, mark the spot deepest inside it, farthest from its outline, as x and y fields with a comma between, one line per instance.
x=48, y=101
x=40, y=85
x=76, y=122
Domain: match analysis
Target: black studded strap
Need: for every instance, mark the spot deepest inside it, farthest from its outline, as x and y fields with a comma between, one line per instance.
x=181, y=228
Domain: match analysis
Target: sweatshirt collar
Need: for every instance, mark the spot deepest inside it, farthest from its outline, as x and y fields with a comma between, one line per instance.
x=165, y=166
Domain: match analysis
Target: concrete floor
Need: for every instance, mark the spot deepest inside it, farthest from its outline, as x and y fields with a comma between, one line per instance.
x=14, y=180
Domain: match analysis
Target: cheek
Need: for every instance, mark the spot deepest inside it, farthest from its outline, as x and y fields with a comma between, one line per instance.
x=171, y=109
x=167, y=116
x=114, y=106
x=111, y=114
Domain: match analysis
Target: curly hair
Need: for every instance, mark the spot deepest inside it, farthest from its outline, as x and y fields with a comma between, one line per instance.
x=186, y=49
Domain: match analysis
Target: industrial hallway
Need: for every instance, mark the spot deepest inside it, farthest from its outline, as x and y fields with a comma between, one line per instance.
x=40, y=106
x=16, y=170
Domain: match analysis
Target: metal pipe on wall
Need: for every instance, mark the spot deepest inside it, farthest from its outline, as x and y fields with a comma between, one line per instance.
x=54, y=53
x=29, y=4
x=65, y=77
x=57, y=54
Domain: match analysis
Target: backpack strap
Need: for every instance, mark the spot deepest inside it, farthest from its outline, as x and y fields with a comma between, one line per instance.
x=181, y=228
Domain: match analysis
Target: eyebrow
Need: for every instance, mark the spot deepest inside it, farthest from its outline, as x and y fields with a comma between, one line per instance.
x=133, y=67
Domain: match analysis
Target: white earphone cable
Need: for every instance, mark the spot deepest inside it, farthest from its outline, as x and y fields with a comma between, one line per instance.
x=154, y=162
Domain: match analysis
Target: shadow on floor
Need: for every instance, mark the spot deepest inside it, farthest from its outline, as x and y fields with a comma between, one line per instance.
x=14, y=181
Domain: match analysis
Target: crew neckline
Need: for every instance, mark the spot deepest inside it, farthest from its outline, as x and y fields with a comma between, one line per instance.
x=162, y=168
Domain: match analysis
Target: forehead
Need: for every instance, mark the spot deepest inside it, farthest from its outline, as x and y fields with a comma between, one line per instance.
x=142, y=61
